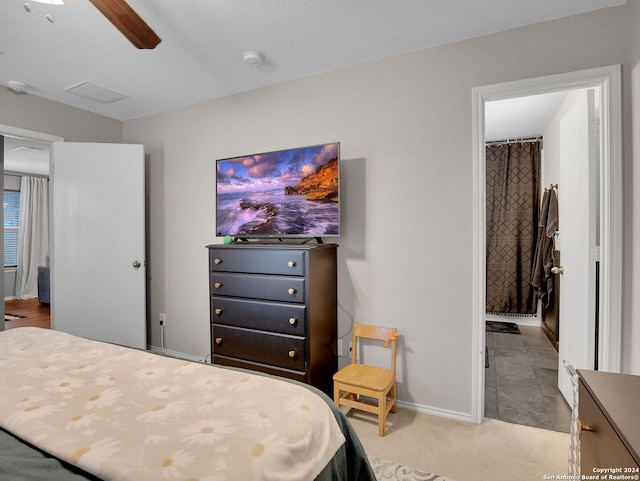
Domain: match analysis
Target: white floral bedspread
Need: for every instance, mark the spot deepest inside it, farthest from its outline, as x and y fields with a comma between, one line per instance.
x=124, y=414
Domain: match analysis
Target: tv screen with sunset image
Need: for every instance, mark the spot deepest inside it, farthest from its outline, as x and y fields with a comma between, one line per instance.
x=286, y=193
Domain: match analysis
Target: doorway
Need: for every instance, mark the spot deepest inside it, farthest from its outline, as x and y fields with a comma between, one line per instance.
x=521, y=376
x=15, y=136
x=87, y=260
x=608, y=82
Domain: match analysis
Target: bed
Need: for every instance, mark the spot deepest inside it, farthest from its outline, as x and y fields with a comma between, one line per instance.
x=77, y=409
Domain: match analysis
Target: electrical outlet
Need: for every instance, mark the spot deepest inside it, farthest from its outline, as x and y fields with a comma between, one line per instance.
x=340, y=346
x=350, y=349
x=163, y=319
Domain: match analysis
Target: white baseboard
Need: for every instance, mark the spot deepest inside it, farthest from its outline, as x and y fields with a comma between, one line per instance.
x=178, y=355
x=443, y=413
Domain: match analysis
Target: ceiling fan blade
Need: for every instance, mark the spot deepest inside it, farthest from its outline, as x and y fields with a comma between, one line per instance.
x=125, y=19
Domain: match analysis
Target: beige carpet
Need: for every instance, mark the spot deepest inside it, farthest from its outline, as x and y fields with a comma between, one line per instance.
x=491, y=451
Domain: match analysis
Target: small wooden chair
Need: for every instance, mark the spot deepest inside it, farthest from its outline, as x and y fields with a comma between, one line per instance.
x=372, y=382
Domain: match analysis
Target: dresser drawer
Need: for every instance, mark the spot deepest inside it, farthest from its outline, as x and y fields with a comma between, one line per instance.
x=274, y=349
x=284, y=262
x=600, y=445
x=265, y=316
x=300, y=376
x=254, y=286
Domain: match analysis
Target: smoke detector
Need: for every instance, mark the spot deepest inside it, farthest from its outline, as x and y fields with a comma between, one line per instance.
x=253, y=58
x=17, y=87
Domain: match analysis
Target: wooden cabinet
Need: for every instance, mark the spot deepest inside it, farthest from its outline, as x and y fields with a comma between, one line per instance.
x=273, y=309
x=609, y=418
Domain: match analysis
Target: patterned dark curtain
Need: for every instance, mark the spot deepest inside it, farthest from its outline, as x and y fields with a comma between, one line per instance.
x=512, y=219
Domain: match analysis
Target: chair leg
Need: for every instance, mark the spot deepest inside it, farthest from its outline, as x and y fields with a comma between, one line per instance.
x=336, y=394
x=394, y=408
x=382, y=413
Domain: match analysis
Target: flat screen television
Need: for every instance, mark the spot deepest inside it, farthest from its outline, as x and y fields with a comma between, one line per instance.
x=286, y=193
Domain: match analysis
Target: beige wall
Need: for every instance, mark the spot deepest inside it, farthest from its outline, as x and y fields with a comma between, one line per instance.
x=405, y=125
x=37, y=114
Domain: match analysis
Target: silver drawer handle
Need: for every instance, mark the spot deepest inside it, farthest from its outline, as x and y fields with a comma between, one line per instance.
x=293, y=321
x=218, y=285
x=219, y=310
x=291, y=264
x=217, y=261
x=292, y=354
x=292, y=291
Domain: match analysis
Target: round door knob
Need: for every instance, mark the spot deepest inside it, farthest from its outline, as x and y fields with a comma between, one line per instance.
x=217, y=261
x=218, y=310
x=218, y=285
x=292, y=354
x=218, y=340
x=292, y=291
x=293, y=321
x=557, y=270
x=136, y=264
x=291, y=264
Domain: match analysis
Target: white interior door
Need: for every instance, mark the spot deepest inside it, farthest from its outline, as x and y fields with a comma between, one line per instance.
x=577, y=237
x=98, y=251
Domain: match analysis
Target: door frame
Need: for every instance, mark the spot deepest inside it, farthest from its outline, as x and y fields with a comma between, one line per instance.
x=10, y=131
x=608, y=79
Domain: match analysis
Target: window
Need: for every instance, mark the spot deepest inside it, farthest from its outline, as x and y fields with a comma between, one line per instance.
x=11, y=223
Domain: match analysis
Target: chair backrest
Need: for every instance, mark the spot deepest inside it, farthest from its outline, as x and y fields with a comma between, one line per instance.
x=383, y=334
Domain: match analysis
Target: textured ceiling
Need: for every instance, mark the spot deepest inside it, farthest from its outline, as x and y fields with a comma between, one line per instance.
x=200, y=56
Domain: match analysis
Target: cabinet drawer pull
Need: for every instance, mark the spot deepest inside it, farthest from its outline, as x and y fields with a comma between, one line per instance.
x=293, y=321
x=218, y=310
x=584, y=427
x=218, y=285
x=292, y=354
x=291, y=264
x=218, y=340
x=292, y=291
x=217, y=261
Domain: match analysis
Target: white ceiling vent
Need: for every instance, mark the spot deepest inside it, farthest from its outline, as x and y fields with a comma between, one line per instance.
x=27, y=149
x=92, y=91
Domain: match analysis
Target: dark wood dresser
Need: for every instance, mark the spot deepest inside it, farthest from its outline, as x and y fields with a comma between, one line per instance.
x=609, y=418
x=274, y=309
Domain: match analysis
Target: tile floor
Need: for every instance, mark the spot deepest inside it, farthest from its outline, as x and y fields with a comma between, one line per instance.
x=521, y=380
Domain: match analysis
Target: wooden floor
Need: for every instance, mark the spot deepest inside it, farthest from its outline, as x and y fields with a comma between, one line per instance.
x=36, y=314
